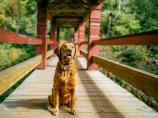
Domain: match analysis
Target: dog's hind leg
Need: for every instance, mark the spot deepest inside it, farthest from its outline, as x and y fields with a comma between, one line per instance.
x=50, y=101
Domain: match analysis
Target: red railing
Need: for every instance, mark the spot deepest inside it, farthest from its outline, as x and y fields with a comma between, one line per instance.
x=12, y=37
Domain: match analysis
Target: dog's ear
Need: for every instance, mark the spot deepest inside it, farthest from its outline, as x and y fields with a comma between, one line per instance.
x=77, y=52
x=57, y=50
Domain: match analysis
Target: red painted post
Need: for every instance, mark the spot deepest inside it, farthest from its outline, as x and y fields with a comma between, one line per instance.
x=52, y=37
x=81, y=36
x=42, y=34
x=76, y=36
x=94, y=30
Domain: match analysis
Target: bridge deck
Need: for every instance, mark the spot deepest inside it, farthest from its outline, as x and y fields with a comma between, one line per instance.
x=97, y=97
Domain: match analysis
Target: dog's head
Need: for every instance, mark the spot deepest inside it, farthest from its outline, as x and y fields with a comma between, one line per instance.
x=67, y=51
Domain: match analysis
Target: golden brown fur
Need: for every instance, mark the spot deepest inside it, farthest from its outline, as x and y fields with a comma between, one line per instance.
x=65, y=78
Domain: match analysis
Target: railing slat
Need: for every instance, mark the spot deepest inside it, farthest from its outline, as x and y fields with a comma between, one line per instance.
x=12, y=75
x=144, y=38
x=144, y=81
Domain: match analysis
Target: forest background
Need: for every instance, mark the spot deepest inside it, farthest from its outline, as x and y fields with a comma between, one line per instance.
x=119, y=17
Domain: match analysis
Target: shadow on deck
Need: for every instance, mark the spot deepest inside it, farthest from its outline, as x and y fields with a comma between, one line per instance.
x=97, y=97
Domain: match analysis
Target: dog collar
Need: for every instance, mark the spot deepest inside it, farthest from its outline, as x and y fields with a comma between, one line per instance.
x=70, y=68
x=65, y=68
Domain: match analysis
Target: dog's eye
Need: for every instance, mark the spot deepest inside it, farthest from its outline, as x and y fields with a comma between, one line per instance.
x=72, y=47
x=65, y=46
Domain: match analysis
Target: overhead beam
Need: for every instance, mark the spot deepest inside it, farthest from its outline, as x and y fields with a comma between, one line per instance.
x=68, y=10
x=68, y=19
x=49, y=16
x=39, y=1
x=67, y=3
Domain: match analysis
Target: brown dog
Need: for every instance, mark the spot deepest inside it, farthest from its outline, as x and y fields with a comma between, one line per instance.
x=65, y=78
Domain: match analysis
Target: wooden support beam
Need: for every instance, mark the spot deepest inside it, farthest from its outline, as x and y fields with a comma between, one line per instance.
x=52, y=37
x=100, y=1
x=39, y=1
x=76, y=36
x=58, y=35
x=42, y=34
x=12, y=37
x=13, y=74
x=67, y=10
x=68, y=19
x=49, y=15
x=79, y=3
x=144, y=38
x=144, y=81
x=81, y=36
x=94, y=30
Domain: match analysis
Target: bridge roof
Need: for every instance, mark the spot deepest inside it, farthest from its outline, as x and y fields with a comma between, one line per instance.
x=68, y=13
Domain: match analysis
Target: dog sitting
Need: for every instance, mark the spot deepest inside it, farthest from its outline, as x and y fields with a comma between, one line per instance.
x=65, y=79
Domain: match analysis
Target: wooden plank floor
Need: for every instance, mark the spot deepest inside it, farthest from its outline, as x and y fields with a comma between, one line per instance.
x=97, y=97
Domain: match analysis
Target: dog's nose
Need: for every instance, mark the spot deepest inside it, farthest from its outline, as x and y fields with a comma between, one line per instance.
x=69, y=50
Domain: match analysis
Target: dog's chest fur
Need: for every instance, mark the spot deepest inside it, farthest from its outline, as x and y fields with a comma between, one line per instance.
x=66, y=79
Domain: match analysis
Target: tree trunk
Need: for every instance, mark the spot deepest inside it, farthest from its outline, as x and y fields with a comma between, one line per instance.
x=18, y=17
x=146, y=10
x=109, y=26
x=117, y=7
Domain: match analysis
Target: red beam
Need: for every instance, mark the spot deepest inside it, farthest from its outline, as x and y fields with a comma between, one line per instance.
x=12, y=37
x=84, y=42
x=144, y=38
x=51, y=42
x=81, y=36
x=100, y=1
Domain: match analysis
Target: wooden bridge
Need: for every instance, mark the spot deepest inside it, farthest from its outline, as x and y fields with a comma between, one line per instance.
x=98, y=96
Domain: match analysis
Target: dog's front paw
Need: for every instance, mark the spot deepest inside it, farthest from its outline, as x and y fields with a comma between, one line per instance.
x=74, y=112
x=55, y=112
x=48, y=106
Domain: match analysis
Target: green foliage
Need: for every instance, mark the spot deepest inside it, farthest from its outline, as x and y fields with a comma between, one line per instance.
x=66, y=33
x=122, y=17
x=12, y=54
x=131, y=57
x=153, y=52
x=18, y=16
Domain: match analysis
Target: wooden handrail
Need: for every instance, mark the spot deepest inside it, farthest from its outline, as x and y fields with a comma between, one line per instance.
x=84, y=53
x=12, y=37
x=84, y=42
x=13, y=74
x=142, y=80
x=49, y=53
x=144, y=38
